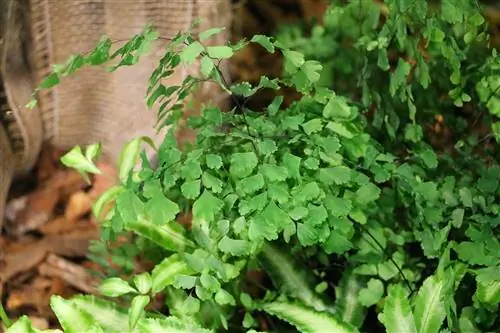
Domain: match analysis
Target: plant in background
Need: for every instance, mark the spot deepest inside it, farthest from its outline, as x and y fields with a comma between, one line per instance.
x=295, y=191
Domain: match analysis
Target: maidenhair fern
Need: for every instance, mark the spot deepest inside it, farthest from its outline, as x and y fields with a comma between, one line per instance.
x=343, y=178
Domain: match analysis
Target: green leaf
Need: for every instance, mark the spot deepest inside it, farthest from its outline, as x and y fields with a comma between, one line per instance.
x=75, y=159
x=273, y=173
x=466, y=197
x=143, y=282
x=209, y=33
x=242, y=164
x=288, y=276
x=164, y=273
x=191, y=52
x=294, y=57
x=250, y=184
x=222, y=297
x=212, y=182
x=71, y=318
x=170, y=236
x=115, y=287
x=161, y=210
x=313, y=126
x=184, y=281
x=136, y=310
x=397, y=316
x=191, y=189
x=430, y=306
x=274, y=107
x=336, y=108
x=340, y=174
x=398, y=78
x=236, y=247
x=50, y=81
x=347, y=302
x=206, y=66
x=264, y=41
x=372, y=293
x=457, y=217
x=337, y=243
x=220, y=52
x=22, y=325
x=367, y=193
x=338, y=206
x=267, y=147
x=307, y=234
x=340, y=129
x=129, y=156
x=307, y=320
x=207, y=206
x=213, y=161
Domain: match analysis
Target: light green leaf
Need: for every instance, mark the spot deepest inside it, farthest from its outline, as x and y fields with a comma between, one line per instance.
x=206, y=66
x=164, y=273
x=294, y=57
x=250, y=184
x=307, y=320
x=136, y=310
x=213, y=161
x=340, y=129
x=114, y=287
x=222, y=297
x=75, y=159
x=220, y=52
x=209, y=33
x=129, y=156
x=161, y=209
x=367, y=193
x=191, y=189
x=347, y=301
x=312, y=126
x=143, y=282
x=264, y=41
x=236, y=247
x=71, y=318
x=372, y=293
x=398, y=78
x=207, y=206
x=336, y=108
x=191, y=52
x=397, y=316
x=430, y=307
x=242, y=164
x=212, y=182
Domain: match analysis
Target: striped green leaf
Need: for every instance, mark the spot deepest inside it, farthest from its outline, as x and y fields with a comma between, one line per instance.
x=347, y=303
x=307, y=320
x=290, y=278
x=397, y=316
x=429, y=306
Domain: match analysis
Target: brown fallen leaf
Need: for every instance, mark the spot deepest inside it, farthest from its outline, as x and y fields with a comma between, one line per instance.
x=72, y=274
x=31, y=212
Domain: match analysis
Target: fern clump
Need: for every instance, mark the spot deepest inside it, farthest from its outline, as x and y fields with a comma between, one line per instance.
x=344, y=176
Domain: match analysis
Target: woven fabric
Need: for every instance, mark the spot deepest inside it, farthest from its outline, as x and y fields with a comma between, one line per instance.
x=94, y=105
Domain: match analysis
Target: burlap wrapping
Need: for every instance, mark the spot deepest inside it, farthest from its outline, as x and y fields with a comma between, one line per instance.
x=93, y=105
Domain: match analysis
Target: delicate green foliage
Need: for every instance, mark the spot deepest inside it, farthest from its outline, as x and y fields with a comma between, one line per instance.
x=356, y=175
x=83, y=163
